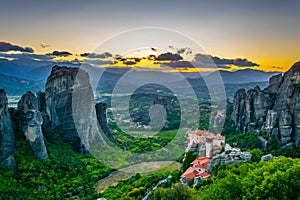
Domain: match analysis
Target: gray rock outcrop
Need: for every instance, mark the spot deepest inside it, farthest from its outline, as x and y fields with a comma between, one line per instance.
x=238, y=115
x=102, y=119
x=31, y=124
x=70, y=105
x=267, y=157
x=229, y=158
x=275, y=110
x=7, y=136
x=41, y=103
x=274, y=83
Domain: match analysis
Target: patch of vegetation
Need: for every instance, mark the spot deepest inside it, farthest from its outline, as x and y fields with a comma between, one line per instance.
x=137, y=186
x=293, y=152
x=244, y=141
x=178, y=191
x=189, y=157
x=141, y=144
x=64, y=175
x=275, y=179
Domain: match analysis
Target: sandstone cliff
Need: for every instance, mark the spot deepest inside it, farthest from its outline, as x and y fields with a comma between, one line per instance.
x=7, y=136
x=70, y=105
x=273, y=113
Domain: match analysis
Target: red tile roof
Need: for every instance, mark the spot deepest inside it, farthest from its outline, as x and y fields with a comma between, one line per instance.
x=190, y=173
x=204, y=175
x=201, y=162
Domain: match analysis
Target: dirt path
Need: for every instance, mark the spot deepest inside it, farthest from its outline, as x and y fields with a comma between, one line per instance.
x=144, y=168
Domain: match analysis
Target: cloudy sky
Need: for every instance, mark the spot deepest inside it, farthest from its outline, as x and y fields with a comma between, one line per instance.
x=260, y=33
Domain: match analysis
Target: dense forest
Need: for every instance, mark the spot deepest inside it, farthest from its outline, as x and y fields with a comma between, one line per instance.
x=70, y=175
x=276, y=179
x=65, y=174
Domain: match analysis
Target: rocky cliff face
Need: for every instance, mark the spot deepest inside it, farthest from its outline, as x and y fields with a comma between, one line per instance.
x=274, y=110
x=7, y=136
x=102, y=119
x=70, y=105
x=31, y=124
x=41, y=106
x=239, y=109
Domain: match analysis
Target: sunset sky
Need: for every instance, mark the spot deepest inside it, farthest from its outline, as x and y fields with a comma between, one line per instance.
x=266, y=32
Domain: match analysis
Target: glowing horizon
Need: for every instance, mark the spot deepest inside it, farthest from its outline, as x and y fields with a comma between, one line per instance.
x=266, y=33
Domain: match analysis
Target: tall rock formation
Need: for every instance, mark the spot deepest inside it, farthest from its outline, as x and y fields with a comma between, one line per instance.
x=102, y=119
x=7, y=136
x=274, y=110
x=70, y=105
x=41, y=106
x=239, y=109
x=31, y=121
x=274, y=83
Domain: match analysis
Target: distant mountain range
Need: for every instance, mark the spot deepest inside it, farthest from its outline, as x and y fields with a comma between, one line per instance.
x=24, y=74
x=30, y=69
x=16, y=86
x=245, y=76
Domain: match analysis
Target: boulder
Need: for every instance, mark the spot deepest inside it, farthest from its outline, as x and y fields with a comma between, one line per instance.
x=287, y=146
x=267, y=157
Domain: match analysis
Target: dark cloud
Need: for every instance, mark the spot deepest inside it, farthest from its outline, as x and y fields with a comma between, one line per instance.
x=243, y=62
x=186, y=50
x=204, y=59
x=193, y=64
x=179, y=64
x=5, y=46
x=181, y=50
x=60, y=53
x=151, y=57
x=94, y=55
x=29, y=56
x=169, y=56
x=129, y=62
x=277, y=67
x=208, y=59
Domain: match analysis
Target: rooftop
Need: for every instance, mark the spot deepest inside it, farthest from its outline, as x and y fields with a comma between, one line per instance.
x=204, y=175
x=201, y=162
x=190, y=173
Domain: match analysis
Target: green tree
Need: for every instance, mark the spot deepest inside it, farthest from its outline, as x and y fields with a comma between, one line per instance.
x=256, y=154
